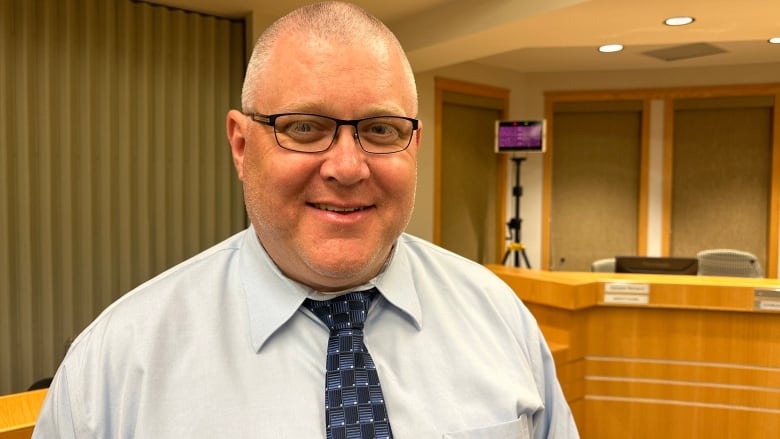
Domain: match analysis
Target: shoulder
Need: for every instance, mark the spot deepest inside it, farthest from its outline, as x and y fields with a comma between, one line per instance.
x=448, y=284
x=171, y=289
x=146, y=333
x=446, y=280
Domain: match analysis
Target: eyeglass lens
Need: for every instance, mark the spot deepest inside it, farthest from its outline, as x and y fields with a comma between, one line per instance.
x=312, y=133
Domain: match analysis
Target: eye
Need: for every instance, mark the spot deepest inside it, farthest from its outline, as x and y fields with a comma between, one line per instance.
x=300, y=127
x=304, y=128
x=381, y=130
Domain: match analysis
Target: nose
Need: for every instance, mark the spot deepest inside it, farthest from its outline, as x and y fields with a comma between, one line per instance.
x=345, y=161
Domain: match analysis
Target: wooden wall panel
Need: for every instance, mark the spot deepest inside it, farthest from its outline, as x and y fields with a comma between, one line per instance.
x=648, y=419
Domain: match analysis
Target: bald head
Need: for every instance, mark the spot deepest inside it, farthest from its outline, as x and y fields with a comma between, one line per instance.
x=333, y=23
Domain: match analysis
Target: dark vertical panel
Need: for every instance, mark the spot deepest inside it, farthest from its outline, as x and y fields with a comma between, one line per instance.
x=721, y=178
x=468, y=181
x=595, y=186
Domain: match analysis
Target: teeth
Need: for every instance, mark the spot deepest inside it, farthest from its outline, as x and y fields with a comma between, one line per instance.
x=337, y=209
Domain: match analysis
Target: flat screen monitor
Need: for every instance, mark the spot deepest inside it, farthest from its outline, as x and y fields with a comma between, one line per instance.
x=656, y=265
x=519, y=136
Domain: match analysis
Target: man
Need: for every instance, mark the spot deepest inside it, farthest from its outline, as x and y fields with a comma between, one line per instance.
x=232, y=343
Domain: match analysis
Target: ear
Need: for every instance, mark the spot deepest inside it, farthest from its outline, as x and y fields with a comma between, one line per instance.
x=418, y=135
x=236, y=126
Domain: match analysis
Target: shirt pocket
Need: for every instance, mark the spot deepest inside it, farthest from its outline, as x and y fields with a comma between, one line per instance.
x=517, y=429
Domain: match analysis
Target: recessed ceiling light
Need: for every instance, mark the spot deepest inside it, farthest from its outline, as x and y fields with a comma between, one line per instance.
x=609, y=48
x=678, y=21
x=774, y=40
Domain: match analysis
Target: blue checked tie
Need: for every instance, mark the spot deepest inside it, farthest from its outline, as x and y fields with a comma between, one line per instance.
x=354, y=405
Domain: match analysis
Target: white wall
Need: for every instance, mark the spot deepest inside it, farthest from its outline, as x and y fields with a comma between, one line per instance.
x=527, y=102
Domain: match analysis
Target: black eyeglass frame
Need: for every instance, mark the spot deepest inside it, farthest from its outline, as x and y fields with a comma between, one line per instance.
x=270, y=120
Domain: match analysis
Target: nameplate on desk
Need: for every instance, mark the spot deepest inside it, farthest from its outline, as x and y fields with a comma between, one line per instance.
x=766, y=299
x=627, y=293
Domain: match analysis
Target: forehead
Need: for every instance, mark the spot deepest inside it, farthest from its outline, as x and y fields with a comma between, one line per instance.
x=334, y=76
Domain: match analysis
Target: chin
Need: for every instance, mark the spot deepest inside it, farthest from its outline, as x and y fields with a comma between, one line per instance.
x=346, y=272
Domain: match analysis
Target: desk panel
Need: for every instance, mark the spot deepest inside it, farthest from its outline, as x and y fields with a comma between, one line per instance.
x=696, y=361
x=18, y=413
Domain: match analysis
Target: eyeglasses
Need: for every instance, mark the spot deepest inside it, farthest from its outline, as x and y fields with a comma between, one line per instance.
x=303, y=132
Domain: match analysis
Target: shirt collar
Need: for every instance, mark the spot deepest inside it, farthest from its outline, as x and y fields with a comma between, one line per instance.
x=272, y=298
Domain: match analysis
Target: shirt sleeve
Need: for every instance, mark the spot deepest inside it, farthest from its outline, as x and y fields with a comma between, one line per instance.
x=560, y=420
x=55, y=419
x=556, y=420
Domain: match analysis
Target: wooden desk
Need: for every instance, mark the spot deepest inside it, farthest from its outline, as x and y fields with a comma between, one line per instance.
x=18, y=413
x=697, y=360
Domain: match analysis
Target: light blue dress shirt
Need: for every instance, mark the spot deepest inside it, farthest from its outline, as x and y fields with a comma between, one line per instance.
x=220, y=347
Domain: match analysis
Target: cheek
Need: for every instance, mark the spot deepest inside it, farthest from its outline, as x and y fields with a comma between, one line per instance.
x=398, y=178
x=266, y=170
x=268, y=181
x=398, y=184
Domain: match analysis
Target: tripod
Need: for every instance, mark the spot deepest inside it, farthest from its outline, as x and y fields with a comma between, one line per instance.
x=514, y=224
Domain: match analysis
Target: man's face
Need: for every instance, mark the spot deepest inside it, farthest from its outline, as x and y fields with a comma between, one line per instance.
x=329, y=219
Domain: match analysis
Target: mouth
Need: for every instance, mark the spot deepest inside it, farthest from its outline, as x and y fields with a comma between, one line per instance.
x=337, y=209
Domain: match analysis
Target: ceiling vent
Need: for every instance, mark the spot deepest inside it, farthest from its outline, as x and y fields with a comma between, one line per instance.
x=685, y=51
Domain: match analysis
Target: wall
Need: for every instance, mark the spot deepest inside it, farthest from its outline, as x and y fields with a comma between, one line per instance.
x=527, y=101
x=113, y=161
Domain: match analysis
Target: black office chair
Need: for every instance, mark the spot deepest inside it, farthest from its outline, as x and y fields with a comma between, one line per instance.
x=728, y=262
x=42, y=383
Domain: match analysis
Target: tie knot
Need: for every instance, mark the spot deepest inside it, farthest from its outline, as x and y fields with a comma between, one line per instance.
x=343, y=312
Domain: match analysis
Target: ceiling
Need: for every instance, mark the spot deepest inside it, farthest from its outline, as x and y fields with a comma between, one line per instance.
x=554, y=35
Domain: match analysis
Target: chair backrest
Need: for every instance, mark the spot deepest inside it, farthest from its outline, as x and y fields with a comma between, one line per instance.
x=728, y=262
x=606, y=265
x=18, y=413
